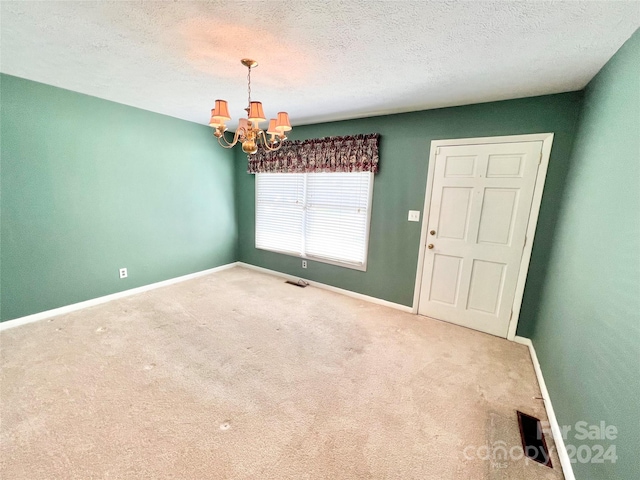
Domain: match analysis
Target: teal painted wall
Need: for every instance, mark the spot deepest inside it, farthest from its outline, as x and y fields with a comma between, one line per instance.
x=587, y=330
x=89, y=186
x=400, y=186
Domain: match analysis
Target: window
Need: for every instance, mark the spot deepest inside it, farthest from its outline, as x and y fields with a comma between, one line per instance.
x=319, y=216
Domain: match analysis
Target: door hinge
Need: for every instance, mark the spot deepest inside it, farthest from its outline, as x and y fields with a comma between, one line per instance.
x=525, y=241
x=511, y=316
x=540, y=159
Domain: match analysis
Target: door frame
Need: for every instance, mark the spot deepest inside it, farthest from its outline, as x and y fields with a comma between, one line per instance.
x=547, y=141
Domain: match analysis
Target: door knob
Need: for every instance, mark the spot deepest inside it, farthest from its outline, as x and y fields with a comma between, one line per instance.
x=432, y=232
x=430, y=246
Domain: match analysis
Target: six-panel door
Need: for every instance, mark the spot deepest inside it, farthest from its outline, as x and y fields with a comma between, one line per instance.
x=477, y=222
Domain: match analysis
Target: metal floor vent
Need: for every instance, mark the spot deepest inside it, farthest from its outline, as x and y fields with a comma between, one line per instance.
x=299, y=283
x=533, y=441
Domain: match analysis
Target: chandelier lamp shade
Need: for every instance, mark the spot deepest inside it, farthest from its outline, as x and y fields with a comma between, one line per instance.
x=249, y=133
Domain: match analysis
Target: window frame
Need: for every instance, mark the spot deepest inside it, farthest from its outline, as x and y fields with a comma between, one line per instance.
x=351, y=265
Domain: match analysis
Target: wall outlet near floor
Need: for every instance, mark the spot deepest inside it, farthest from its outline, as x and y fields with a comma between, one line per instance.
x=123, y=273
x=414, y=215
x=304, y=264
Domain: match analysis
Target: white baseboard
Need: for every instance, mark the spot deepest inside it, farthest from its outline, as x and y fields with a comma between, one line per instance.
x=331, y=288
x=107, y=298
x=16, y=322
x=565, y=461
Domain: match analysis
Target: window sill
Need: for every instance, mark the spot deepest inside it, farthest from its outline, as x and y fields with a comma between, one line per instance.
x=337, y=263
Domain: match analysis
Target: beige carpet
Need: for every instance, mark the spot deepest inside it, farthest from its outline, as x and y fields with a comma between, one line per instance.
x=238, y=375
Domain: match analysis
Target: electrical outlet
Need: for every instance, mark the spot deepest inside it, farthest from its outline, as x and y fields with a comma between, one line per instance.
x=414, y=215
x=123, y=273
x=304, y=264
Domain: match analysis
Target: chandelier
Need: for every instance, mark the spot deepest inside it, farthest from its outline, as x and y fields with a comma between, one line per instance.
x=249, y=133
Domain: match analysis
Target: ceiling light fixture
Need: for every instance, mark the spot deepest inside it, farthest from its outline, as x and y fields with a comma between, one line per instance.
x=249, y=132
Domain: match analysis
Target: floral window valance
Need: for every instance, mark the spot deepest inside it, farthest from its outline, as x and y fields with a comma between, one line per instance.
x=358, y=153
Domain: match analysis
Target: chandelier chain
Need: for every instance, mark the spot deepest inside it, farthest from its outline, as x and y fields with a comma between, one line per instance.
x=249, y=86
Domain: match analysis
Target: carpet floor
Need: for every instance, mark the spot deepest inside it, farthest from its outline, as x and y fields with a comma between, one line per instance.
x=238, y=375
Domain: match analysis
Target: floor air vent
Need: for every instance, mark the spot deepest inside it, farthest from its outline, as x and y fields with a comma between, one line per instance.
x=533, y=442
x=299, y=283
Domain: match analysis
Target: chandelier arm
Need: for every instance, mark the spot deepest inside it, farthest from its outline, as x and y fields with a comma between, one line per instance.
x=270, y=146
x=227, y=143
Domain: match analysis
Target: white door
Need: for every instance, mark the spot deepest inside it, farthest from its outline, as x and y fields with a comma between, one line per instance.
x=477, y=222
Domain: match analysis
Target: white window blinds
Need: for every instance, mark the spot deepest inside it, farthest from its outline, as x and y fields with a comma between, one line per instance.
x=279, y=211
x=321, y=216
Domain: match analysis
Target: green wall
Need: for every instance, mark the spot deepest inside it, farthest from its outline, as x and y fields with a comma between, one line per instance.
x=89, y=186
x=400, y=187
x=587, y=330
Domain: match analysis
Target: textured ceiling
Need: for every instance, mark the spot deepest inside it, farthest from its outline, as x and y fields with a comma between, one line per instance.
x=319, y=60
